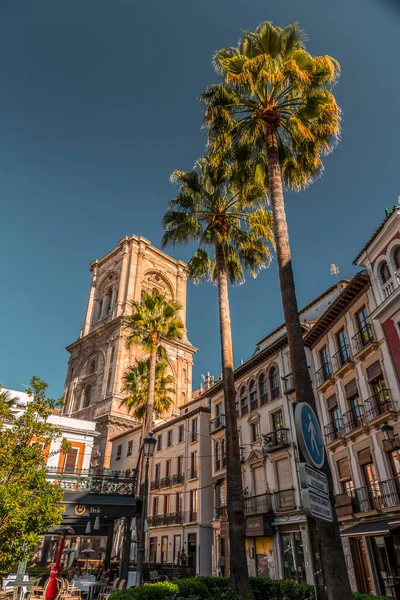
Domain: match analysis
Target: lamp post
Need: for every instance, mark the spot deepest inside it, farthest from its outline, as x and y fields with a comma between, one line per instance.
x=52, y=588
x=149, y=445
x=388, y=432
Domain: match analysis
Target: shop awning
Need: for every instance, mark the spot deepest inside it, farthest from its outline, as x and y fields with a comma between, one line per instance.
x=381, y=527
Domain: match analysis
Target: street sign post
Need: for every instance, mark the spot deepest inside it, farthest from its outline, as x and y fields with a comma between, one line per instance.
x=311, y=478
x=19, y=580
x=309, y=435
x=317, y=506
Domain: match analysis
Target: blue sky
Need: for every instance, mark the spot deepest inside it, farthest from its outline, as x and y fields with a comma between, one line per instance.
x=98, y=105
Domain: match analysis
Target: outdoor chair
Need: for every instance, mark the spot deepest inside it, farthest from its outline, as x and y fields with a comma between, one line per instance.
x=121, y=585
x=154, y=577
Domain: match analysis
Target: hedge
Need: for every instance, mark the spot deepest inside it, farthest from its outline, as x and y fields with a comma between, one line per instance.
x=217, y=588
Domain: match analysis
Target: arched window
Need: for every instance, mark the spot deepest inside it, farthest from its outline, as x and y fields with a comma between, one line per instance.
x=183, y=397
x=92, y=366
x=263, y=389
x=107, y=302
x=396, y=257
x=217, y=457
x=237, y=403
x=184, y=375
x=244, y=408
x=100, y=310
x=86, y=396
x=253, y=395
x=384, y=272
x=274, y=382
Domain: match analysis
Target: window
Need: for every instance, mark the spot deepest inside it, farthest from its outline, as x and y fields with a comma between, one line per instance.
x=155, y=505
x=325, y=362
x=107, y=302
x=177, y=549
x=164, y=549
x=273, y=382
x=263, y=389
x=86, y=396
x=237, y=403
x=169, y=437
x=119, y=452
x=217, y=456
x=277, y=420
x=384, y=272
x=371, y=498
x=344, y=474
x=181, y=434
x=218, y=415
x=179, y=502
x=335, y=419
x=193, y=505
x=159, y=442
x=283, y=474
x=153, y=550
x=378, y=386
x=70, y=460
x=157, y=470
x=259, y=484
x=344, y=351
x=167, y=504
x=130, y=448
x=167, y=468
x=195, y=426
x=243, y=401
x=396, y=258
x=92, y=366
x=255, y=431
x=355, y=416
x=223, y=453
x=193, y=465
x=100, y=310
x=253, y=395
x=179, y=465
x=184, y=376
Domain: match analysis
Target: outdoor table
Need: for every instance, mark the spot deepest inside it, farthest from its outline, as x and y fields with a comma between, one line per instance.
x=87, y=586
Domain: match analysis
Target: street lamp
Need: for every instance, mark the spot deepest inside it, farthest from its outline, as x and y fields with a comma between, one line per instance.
x=52, y=588
x=149, y=445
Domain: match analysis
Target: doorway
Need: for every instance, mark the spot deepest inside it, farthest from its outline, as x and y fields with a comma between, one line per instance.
x=192, y=550
x=363, y=575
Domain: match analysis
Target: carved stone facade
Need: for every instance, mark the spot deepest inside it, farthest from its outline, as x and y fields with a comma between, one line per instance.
x=99, y=358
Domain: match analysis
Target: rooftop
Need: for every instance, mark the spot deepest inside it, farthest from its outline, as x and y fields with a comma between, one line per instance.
x=389, y=213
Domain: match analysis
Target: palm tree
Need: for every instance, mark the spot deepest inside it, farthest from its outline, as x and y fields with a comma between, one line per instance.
x=216, y=209
x=7, y=403
x=276, y=97
x=155, y=320
x=136, y=384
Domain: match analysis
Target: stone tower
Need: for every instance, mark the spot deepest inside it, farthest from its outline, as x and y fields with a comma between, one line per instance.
x=99, y=357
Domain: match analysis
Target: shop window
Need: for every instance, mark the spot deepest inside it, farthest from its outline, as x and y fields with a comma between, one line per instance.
x=293, y=557
x=153, y=549
x=265, y=557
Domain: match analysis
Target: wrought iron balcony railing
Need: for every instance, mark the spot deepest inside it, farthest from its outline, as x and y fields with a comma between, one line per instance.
x=333, y=430
x=256, y=505
x=353, y=418
x=324, y=373
x=379, y=404
x=217, y=423
x=276, y=439
x=155, y=484
x=342, y=357
x=94, y=481
x=165, y=482
x=175, y=518
x=363, y=338
x=178, y=478
x=221, y=511
x=285, y=500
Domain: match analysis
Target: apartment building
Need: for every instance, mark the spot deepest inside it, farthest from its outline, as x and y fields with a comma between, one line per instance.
x=277, y=544
x=180, y=505
x=355, y=351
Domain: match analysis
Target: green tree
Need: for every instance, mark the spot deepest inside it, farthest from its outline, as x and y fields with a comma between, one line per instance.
x=136, y=385
x=217, y=210
x=29, y=504
x=277, y=98
x=155, y=320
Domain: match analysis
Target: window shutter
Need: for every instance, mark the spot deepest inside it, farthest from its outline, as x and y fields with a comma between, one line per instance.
x=374, y=371
x=351, y=389
x=70, y=460
x=364, y=456
x=331, y=402
x=259, y=481
x=283, y=474
x=343, y=467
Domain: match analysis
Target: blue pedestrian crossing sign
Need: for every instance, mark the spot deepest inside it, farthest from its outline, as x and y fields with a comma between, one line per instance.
x=309, y=435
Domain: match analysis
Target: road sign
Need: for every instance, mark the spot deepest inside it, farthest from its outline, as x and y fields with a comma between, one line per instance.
x=317, y=506
x=311, y=478
x=309, y=435
x=19, y=580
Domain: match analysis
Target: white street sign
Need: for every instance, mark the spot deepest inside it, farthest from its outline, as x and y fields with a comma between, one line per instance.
x=317, y=506
x=311, y=478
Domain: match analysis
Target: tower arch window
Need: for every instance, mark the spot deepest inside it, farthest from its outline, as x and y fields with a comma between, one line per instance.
x=244, y=407
x=274, y=382
x=87, y=396
x=384, y=272
x=92, y=366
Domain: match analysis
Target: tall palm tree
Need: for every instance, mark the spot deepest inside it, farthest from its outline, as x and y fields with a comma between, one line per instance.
x=136, y=385
x=276, y=97
x=155, y=320
x=227, y=219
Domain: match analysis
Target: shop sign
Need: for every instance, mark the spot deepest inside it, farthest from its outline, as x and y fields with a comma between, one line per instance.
x=311, y=478
x=256, y=526
x=317, y=506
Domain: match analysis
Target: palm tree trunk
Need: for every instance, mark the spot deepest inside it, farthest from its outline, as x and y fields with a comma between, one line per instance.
x=333, y=581
x=150, y=398
x=239, y=577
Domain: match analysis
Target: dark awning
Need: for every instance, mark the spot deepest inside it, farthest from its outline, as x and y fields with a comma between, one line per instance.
x=381, y=527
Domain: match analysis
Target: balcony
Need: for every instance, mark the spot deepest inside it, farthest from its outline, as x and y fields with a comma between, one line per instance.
x=177, y=479
x=217, y=423
x=353, y=419
x=390, y=286
x=275, y=440
x=175, y=518
x=285, y=500
x=342, y=361
x=288, y=383
x=376, y=496
x=257, y=505
x=94, y=481
x=333, y=431
x=323, y=376
x=155, y=484
x=165, y=482
x=364, y=341
x=192, y=516
x=379, y=404
x=221, y=511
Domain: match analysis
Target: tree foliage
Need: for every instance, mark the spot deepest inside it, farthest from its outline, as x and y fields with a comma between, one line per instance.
x=136, y=385
x=29, y=504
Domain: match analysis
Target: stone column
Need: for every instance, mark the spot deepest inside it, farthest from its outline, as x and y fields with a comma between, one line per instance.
x=181, y=292
x=123, y=278
x=90, y=305
x=139, y=271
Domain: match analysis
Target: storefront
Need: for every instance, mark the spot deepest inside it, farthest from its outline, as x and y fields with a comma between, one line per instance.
x=294, y=552
x=260, y=549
